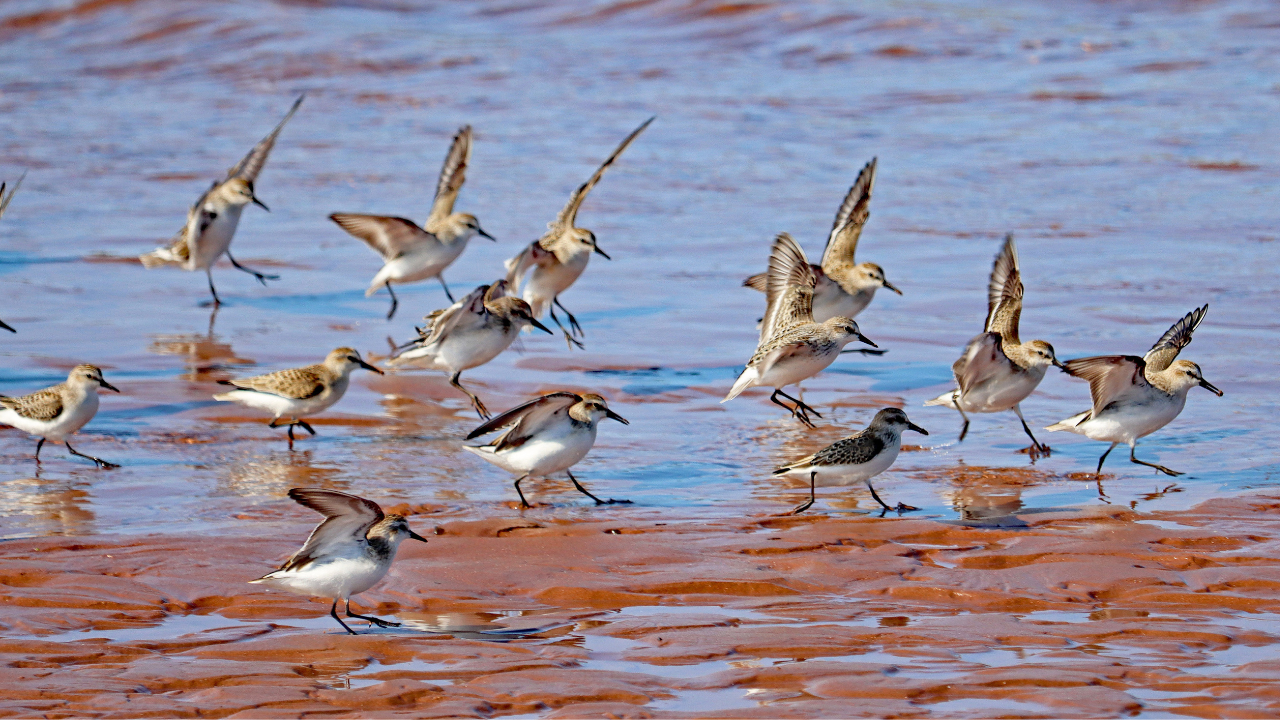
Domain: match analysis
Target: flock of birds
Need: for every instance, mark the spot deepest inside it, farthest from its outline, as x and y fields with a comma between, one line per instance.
x=808, y=322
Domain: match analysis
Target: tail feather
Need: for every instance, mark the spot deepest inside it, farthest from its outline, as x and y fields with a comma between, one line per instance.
x=744, y=381
x=948, y=399
x=1071, y=424
x=159, y=257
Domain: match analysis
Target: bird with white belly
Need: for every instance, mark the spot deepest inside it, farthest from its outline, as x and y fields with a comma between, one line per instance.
x=57, y=412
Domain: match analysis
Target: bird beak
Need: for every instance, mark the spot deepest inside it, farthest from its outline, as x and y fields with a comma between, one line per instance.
x=5, y=325
x=366, y=365
x=416, y=536
x=917, y=428
x=540, y=326
x=260, y=204
x=1207, y=386
x=889, y=286
x=481, y=232
x=109, y=386
x=601, y=252
x=1058, y=364
x=615, y=416
x=866, y=340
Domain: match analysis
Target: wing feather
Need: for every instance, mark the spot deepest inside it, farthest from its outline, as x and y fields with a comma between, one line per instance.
x=252, y=164
x=1004, y=293
x=452, y=175
x=4, y=199
x=1110, y=377
x=1165, y=351
x=842, y=243
x=982, y=358
x=346, y=517
x=43, y=405
x=389, y=236
x=569, y=214
x=526, y=419
x=441, y=322
x=789, y=286
x=295, y=383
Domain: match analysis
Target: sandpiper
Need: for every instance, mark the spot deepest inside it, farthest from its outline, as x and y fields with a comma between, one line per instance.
x=4, y=203
x=844, y=288
x=212, y=221
x=1136, y=396
x=298, y=392
x=857, y=458
x=55, y=413
x=560, y=256
x=413, y=253
x=346, y=554
x=468, y=334
x=792, y=346
x=548, y=435
x=997, y=370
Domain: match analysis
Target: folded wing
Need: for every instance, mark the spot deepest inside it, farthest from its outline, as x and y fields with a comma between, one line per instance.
x=526, y=420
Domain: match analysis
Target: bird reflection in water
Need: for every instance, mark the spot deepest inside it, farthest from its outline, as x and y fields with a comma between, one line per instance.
x=50, y=507
x=204, y=355
x=272, y=474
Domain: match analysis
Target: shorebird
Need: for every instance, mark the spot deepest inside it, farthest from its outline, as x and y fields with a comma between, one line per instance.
x=997, y=370
x=547, y=435
x=560, y=256
x=857, y=458
x=298, y=392
x=468, y=334
x=4, y=203
x=1136, y=396
x=792, y=346
x=346, y=554
x=842, y=287
x=413, y=253
x=212, y=221
x=55, y=413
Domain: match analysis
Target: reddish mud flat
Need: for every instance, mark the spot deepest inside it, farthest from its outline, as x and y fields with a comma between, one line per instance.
x=1072, y=614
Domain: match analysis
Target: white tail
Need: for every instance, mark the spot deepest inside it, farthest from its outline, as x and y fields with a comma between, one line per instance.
x=747, y=379
x=948, y=399
x=1071, y=424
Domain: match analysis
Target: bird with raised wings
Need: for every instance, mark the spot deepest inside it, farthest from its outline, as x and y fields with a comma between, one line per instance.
x=1136, y=396
x=4, y=203
x=793, y=347
x=468, y=334
x=842, y=287
x=556, y=260
x=411, y=253
x=212, y=221
x=997, y=370
x=346, y=554
x=545, y=436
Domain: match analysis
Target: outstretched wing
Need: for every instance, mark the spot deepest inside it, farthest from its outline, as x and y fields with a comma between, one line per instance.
x=569, y=214
x=789, y=286
x=452, y=175
x=294, y=383
x=470, y=306
x=533, y=254
x=4, y=199
x=526, y=420
x=389, y=236
x=1110, y=377
x=1165, y=351
x=248, y=168
x=842, y=243
x=1004, y=293
x=982, y=358
x=346, y=517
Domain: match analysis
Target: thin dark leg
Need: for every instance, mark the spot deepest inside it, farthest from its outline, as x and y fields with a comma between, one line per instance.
x=1161, y=468
x=38, y=446
x=802, y=406
x=1103, y=459
x=964, y=429
x=439, y=277
x=584, y=491
x=523, y=502
x=303, y=424
x=394, y=302
x=569, y=339
x=101, y=463
x=813, y=477
x=901, y=508
x=333, y=613
x=216, y=300
x=262, y=278
x=376, y=621
x=796, y=412
x=1036, y=450
x=480, y=409
x=573, y=321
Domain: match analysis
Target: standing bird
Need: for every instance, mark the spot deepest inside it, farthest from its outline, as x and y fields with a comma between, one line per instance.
x=4, y=203
x=346, y=554
x=212, y=221
x=1136, y=396
x=857, y=458
x=468, y=334
x=298, y=392
x=547, y=435
x=793, y=347
x=413, y=253
x=55, y=413
x=997, y=370
x=843, y=288
x=560, y=256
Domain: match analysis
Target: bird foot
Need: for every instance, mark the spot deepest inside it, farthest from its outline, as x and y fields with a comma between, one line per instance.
x=1035, y=452
x=106, y=465
x=571, y=341
x=383, y=623
x=611, y=501
x=903, y=507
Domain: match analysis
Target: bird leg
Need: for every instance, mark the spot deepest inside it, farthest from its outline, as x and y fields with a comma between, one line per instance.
x=303, y=424
x=101, y=463
x=394, y=303
x=802, y=406
x=569, y=339
x=216, y=300
x=333, y=613
x=901, y=508
x=1161, y=468
x=439, y=277
x=262, y=277
x=275, y=423
x=964, y=429
x=573, y=321
x=584, y=491
x=1103, y=459
x=1036, y=450
x=796, y=412
x=376, y=621
x=480, y=409
x=523, y=502
x=38, y=446
x=813, y=477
